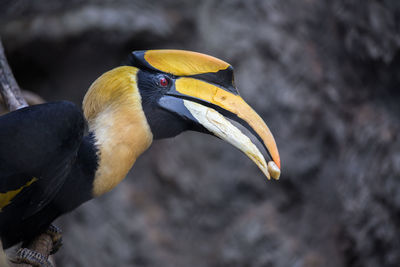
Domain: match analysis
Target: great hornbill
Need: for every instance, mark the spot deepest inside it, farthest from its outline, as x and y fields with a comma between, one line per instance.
x=49, y=167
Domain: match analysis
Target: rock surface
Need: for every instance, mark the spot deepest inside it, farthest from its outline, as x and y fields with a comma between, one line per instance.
x=323, y=74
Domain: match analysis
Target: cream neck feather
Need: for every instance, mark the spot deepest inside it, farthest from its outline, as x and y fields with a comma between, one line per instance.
x=114, y=112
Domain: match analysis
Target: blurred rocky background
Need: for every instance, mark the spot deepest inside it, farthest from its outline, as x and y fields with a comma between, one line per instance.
x=325, y=76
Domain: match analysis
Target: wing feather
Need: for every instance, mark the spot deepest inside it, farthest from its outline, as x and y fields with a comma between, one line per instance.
x=39, y=141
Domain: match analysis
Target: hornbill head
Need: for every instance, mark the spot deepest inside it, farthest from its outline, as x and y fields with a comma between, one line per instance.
x=183, y=90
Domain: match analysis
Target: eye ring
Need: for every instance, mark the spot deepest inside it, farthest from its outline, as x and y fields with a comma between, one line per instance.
x=163, y=81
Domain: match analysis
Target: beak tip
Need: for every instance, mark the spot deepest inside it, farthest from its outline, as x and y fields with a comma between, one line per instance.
x=274, y=170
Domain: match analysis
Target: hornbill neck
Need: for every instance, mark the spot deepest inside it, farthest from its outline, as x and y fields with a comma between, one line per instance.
x=114, y=112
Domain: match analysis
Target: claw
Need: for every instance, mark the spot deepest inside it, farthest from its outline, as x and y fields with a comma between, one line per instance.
x=56, y=236
x=31, y=257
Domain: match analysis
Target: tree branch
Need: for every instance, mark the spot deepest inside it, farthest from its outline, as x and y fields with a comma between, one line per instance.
x=9, y=88
x=13, y=100
x=3, y=257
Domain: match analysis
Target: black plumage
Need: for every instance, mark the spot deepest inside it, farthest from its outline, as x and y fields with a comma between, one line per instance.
x=43, y=142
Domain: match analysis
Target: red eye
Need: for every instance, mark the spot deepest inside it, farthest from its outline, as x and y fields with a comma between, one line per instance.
x=163, y=82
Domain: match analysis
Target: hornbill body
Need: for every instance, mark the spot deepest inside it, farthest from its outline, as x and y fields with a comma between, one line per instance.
x=49, y=167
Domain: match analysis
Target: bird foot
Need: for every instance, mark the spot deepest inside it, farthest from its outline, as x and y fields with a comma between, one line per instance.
x=31, y=257
x=56, y=235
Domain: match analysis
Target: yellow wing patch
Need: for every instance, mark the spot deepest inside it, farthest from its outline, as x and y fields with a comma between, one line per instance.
x=183, y=63
x=5, y=198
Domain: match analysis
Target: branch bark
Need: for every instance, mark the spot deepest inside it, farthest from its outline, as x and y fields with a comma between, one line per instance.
x=3, y=257
x=13, y=100
x=9, y=88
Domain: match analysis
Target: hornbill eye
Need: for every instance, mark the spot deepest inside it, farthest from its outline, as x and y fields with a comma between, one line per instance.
x=163, y=81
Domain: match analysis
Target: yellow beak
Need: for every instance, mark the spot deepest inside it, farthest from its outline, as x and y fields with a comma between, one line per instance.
x=220, y=126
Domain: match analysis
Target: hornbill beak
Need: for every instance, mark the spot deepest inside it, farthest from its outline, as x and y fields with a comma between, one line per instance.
x=204, y=95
